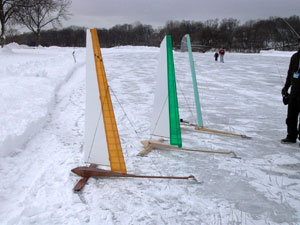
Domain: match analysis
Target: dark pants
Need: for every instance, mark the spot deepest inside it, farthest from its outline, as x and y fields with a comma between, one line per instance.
x=292, y=116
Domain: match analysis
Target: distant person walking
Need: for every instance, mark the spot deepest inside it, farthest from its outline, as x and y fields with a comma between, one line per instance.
x=293, y=80
x=222, y=53
x=216, y=56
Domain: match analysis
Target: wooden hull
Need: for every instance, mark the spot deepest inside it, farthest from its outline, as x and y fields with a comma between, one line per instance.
x=87, y=172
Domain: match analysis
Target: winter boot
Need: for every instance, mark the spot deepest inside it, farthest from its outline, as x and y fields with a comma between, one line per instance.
x=288, y=140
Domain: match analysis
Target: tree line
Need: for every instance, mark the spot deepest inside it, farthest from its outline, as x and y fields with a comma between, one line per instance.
x=251, y=36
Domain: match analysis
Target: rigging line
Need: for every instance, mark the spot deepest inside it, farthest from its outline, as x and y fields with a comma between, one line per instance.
x=107, y=92
x=156, y=122
x=151, y=159
x=125, y=113
x=188, y=104
x=279, y=73
x=160, y=113
x=114, y=94
x=100, y=115
x=292, y=29
x=151, y=135
x=94, y=136
x=173, y=83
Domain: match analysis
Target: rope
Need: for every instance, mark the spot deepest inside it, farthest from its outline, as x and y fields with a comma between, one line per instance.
x=279, y=73
x=125, y=113
x=188, y=104
x=291, y=28
x=156, y=122
x=151, y=159
x=100, y=115
x=90, y=151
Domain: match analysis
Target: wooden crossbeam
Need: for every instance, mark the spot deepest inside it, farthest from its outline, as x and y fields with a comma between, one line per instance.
x=202, y=129
x=150, y=145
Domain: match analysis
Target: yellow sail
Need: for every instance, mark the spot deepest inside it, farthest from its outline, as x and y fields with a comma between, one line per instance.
x=116, y=157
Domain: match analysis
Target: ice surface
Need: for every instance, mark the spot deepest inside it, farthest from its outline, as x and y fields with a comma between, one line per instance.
x=41, y=139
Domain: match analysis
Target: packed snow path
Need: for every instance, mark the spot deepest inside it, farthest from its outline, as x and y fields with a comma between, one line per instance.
x=242, y=96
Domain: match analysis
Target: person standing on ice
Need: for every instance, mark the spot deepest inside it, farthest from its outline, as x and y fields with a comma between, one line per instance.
x=293, y=80
x=222, y=53
x=216, y=56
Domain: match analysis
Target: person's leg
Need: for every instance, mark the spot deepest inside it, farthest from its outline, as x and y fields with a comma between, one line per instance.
x=292, y=118
x=298, y=130
x=298, y=104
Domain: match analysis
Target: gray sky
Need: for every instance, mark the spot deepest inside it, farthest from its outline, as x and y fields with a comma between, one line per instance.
x=106, y=14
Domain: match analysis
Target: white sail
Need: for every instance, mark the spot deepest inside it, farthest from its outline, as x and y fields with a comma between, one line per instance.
x=160, y=119
x=95, y=146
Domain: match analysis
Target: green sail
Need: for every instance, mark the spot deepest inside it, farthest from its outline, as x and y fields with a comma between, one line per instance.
x=175, y=132
x=196, y=94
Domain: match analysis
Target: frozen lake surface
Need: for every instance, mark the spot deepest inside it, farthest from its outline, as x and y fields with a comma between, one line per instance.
x=42, y=128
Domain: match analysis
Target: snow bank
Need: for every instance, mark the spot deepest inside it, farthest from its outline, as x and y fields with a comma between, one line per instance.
x=28, y=83
x=273, y=52
x=135, y=49
x=14, y=45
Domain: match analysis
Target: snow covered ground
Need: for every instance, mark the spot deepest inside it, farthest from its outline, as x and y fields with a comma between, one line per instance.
x=42, y=104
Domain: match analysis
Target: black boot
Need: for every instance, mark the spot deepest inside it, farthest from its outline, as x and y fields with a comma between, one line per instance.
x=288, y=140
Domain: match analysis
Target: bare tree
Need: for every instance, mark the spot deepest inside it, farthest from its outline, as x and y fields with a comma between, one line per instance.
x=37, y=14
x=7, y=10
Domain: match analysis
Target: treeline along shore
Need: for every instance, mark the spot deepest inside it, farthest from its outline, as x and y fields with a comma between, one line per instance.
x=251, y=36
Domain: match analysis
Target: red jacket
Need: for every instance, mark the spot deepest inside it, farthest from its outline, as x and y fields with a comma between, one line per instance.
x=222, y=52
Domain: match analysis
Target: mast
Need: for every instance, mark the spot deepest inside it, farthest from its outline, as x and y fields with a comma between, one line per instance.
x=199, y=126
x=116, y=158
x=105, y=136
x=175, y=131
x=193, y=73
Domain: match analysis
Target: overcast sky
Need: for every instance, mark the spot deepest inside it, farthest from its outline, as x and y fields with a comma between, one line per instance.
x=107, y=13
